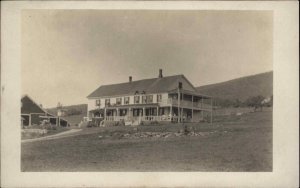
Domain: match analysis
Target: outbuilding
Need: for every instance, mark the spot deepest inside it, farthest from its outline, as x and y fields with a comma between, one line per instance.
x=34, y=114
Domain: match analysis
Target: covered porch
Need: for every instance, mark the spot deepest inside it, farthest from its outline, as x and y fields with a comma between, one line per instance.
x=150, y=114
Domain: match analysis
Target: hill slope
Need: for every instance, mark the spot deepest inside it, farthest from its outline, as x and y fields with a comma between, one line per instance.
x=241, y=88
x=79, y=111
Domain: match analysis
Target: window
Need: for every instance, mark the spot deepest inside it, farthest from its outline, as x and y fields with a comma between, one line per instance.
x=159, y=97
x=119, y=101
x=98, y=102
x=136, y=99
x=126, y=100
x=107, y=102
x=150, y=99
x=144, y=99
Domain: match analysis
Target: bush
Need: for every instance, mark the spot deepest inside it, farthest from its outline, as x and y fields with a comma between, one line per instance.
x=111, y=123
x=49, y=127
x=122, y=123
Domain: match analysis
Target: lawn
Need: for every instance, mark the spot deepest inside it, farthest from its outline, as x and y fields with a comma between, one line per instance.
x=232, y=143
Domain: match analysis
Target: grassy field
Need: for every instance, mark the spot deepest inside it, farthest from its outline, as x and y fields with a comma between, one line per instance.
x=232, y=143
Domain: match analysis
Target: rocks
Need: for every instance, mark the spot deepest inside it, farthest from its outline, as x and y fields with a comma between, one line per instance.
x=161, y=135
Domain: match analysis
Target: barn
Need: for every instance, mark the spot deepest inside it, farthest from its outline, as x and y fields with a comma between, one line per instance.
x=34, y=114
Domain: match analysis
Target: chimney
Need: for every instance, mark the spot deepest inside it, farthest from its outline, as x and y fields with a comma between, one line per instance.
x=160, y=73
x=130, y=78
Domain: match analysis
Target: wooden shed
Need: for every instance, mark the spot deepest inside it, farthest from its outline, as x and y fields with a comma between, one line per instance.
x=34, y=114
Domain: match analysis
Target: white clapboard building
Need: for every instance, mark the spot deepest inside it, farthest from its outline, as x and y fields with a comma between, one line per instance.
x=168, y=99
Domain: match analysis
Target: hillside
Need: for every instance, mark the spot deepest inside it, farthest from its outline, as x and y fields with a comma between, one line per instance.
x=241, y=88
x=75, y=113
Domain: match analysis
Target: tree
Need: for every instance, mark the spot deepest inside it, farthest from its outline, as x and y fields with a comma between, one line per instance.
x=237, y=103
x=255, y=102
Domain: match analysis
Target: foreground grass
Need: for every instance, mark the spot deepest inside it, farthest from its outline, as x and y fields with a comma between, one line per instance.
x=246, y=146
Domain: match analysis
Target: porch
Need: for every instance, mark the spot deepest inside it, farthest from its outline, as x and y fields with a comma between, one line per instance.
x=150, y=114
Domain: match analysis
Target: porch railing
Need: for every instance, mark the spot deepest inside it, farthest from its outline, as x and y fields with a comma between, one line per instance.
x=140, y=118
x=185, y=103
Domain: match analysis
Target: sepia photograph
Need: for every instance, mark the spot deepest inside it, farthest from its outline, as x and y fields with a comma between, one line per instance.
x=149, y=94
x=155, y=90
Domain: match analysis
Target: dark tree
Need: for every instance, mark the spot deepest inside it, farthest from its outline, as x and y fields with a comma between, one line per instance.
x=255, y=102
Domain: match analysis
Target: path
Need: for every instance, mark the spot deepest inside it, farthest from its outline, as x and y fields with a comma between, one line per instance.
x=55, y=136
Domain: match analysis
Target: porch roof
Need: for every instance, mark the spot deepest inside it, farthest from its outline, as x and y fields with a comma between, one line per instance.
x=194, y=93
x=133, y=106
x=101, y=110
x=154, y=105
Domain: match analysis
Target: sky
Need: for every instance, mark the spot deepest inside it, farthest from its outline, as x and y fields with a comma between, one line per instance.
x=67, y=54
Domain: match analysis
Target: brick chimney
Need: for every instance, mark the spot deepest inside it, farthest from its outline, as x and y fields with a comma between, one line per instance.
x=160, y=73
x=130, y=78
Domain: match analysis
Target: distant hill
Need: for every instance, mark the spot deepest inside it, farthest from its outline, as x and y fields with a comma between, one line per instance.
x=241, y=88
x=74, y=113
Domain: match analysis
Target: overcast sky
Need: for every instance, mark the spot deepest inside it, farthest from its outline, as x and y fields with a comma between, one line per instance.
x=66, y=54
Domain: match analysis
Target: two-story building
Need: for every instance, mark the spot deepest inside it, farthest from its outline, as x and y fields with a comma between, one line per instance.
x=171, y=98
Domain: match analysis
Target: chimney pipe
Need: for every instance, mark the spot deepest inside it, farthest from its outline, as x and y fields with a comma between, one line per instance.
x=160, y=73
x=130, y=78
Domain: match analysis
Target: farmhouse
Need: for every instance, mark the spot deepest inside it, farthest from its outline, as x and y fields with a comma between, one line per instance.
x=171, y=98
x=33, y=114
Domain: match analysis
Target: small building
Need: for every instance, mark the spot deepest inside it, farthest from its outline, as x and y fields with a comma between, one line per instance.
x=171, y=98
x=34, y=114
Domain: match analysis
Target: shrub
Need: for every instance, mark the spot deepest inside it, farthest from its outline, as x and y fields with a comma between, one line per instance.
x=111, y=123
x=122, y=123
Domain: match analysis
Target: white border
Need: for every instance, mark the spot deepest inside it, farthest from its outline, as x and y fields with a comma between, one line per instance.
x=286, y=103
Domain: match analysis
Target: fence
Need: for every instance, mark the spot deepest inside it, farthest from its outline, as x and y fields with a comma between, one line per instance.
x=188, y=104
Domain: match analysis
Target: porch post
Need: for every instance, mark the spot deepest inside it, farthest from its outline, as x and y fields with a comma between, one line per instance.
x=178, y=106
x=117, y=114
x=171, y=113
x=104, y=113
x=211, y=110
x=192, y=108
x=29, y=123
x=129, y=112
x=181, y=114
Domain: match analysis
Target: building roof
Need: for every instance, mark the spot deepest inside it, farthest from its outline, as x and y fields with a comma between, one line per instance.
x=153, y=85
x=30, y=106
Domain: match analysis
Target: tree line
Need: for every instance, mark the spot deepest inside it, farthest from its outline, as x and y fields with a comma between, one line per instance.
x=253, y=101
